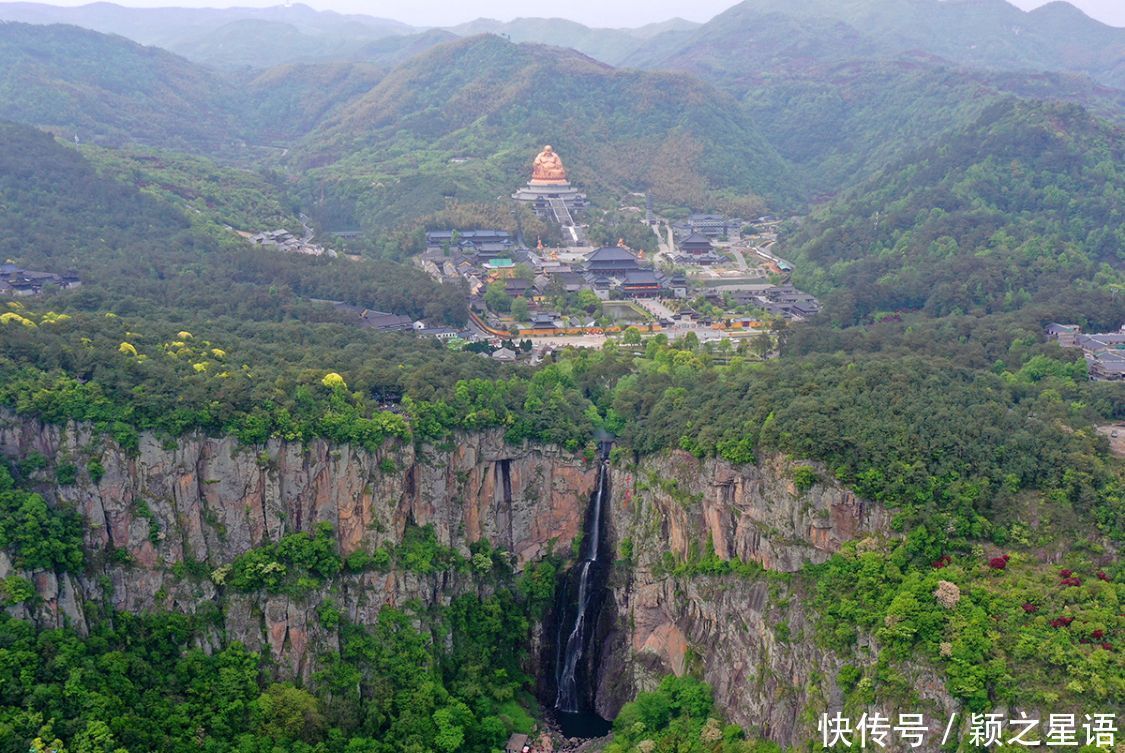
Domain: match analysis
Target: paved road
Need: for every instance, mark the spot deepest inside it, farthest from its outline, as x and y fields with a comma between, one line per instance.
x=655, y=307
x=739, y=259
x=575, y=341
x=663, y=248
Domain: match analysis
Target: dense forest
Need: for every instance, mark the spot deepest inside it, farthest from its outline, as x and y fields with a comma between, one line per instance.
x=1022, y=207
x=132, y=248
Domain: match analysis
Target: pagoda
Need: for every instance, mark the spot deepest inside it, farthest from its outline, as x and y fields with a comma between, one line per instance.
x=549, y=193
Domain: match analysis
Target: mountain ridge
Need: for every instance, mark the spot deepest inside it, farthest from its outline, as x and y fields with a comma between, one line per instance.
x=94, y=86
x=989, y=33
x=491, y=104
x=1022, y=205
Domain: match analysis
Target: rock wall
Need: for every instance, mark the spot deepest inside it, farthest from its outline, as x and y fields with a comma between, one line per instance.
x=208, y=500
x=750, y=636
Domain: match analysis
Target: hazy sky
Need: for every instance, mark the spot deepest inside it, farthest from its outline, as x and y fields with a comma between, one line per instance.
x=589, y=12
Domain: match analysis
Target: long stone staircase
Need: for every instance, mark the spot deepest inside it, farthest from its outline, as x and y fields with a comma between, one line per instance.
x=564, y=218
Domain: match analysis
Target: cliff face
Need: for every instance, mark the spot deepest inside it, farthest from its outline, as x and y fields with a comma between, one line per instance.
x=208, y=500
x=750, y=635
x=754, y=513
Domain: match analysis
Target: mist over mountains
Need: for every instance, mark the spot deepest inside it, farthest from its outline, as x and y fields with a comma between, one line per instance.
x=750, y=38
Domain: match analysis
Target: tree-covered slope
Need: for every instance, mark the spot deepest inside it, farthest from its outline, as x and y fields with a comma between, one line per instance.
x=1024, y=205
x=224, y=37
x=150, y=251
x=285, y=102
x=110, y=90
x=490, y=105
x=839, y=124
x=607, y=45
x=758, y=35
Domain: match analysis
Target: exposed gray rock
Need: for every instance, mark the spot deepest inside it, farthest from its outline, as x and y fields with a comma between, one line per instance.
x=207, y=500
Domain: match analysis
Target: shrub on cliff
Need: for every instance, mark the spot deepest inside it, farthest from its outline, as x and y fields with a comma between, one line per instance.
x=678, y=716
x=36, y=536
x=804, y=477
x=281, y=565
x=288, y=713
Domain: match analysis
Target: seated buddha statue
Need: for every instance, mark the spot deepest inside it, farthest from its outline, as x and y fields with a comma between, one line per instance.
x=548, y=168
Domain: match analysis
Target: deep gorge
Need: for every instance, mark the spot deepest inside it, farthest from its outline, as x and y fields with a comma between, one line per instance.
x=209, y=500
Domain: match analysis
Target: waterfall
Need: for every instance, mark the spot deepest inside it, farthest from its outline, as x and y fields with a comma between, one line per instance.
x=591, y=572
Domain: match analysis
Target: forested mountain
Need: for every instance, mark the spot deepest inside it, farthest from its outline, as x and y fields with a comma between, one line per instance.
x=223, y=37
x=235, y=520
x=620, y=130
x=285, y=103
x=607, y=45
x=794, y=136
x=1024, y=205
x=490, y=103
x=390, y=51
x=107, y=89
x=260, y=43
x=839, y=124
x=761, y=36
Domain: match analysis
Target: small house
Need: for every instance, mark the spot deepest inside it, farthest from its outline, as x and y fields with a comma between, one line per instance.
x=1065, y=334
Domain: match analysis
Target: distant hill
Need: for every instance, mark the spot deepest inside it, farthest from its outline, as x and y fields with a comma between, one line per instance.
x=390, y=51
x=465, y=118
x=228, y=37
x=110, y=90
x=258, y=43
x=1025, y=204
x=282, y=34
x=759, y=36
x=284, y=103
x=607, y=45
x=839, y=124
x=165, y=27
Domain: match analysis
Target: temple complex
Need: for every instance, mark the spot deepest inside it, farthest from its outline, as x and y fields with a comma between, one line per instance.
x=550, y=194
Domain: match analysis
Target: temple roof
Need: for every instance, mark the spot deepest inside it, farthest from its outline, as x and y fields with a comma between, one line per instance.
x=610, y=253
x=641, y=277
x=696, y=239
